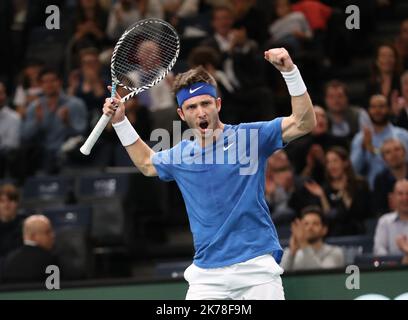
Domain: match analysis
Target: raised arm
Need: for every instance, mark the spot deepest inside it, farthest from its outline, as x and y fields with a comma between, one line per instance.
x=303, y=119
x=138, y=150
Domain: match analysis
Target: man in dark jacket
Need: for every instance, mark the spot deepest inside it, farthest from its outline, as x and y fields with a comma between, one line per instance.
x=29, y=263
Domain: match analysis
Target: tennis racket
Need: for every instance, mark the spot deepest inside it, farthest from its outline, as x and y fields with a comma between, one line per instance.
x=142, y=57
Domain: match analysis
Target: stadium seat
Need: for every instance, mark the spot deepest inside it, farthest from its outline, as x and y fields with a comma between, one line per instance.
x=42, y=192
x=72, y=226
x=106, y=194
x=352, y=245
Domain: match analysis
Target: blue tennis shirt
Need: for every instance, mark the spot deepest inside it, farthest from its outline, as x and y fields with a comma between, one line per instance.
x=225, y=202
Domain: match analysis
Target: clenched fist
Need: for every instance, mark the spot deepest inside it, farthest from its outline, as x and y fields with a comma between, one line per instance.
x=280, y=58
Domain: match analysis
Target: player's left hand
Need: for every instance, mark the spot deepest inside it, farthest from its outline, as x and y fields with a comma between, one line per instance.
x=280, y=58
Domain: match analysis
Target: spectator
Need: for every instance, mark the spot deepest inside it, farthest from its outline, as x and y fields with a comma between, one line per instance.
x=345, y=120
x=400, y=104
x=291, y=28
x=313, y=146
x=401, y=43
x=285, y=193
x=316, y=13
x=365, y=147
x=10, y=123
x=126, y=12
x=89, y=83
x=252, y=19
x=10, y=222
x=29, y=263
x=239, y=54
x=385, y=73
x=392, y=228
x=90, y=25
x=29, y=88
x=307, y=249
x=344, y=197
x=52, y=120
x=393, y=153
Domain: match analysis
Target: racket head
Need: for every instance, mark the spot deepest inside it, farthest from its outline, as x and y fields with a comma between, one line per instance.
x=144, y=55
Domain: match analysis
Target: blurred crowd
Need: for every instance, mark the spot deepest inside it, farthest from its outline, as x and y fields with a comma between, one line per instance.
x=328, y=183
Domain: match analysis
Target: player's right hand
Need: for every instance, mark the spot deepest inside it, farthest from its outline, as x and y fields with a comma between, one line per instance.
x=115, y=108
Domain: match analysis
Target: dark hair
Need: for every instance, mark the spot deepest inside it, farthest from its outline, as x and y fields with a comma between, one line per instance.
x=10, y=191
x=336, y=84
x=352, y=178
x=375, y=72
x=313, y=209
x=49, y=70
x=186, y=79
x=203, y=55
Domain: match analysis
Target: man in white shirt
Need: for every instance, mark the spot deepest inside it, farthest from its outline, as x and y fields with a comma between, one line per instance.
x=307, y=249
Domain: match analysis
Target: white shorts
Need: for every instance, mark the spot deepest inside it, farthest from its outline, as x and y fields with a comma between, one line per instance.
x=255, y=279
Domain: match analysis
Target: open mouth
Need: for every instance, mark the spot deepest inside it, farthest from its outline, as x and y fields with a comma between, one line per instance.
x=203, y=125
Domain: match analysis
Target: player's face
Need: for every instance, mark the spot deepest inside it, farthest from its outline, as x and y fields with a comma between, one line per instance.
x=313, y=227
x=201, y=113
x=393, y=154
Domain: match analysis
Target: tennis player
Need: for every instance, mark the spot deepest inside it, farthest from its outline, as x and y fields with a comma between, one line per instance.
x=237, y=252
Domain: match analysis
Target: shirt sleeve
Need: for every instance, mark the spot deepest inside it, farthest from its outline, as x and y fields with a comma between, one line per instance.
x=380, y=238
x=270, y=136
x=163, y=164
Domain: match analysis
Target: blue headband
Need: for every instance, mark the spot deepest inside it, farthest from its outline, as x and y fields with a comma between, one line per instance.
x=196, y=89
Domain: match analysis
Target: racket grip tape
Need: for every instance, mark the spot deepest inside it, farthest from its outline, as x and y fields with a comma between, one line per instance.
x=94, y=135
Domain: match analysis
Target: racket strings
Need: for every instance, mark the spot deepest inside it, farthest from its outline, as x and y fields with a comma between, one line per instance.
x=145, y=55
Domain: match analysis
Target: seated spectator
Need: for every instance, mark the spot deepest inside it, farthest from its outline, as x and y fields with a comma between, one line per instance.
x=10, y=222
x=10, y=124
x=401, y=43
x=365, y=147
x=344, y=197
x=313, y=146
x=400, y=104
x=307, y=249
x=89, y=83
x=393, y=153
x=127, y=12
x=291, y=28
x=240, y=55
x=29, y=263
x=385, y=73
x=345, y=120
x=284, y=192
x=29, y=88
x=89, y=27
x=392, y=228
x=316, y=13
x=254, y=20
x=51, y=121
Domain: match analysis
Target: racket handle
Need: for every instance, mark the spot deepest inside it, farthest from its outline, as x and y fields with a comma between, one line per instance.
x=113, y=91
x=94, y=135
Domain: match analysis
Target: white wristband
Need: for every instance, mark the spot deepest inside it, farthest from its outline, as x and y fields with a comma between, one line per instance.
x=294, y=81
x=126, y=133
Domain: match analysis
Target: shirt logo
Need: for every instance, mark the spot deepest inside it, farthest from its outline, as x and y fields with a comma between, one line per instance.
x=194, y=90
x=227, y=147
